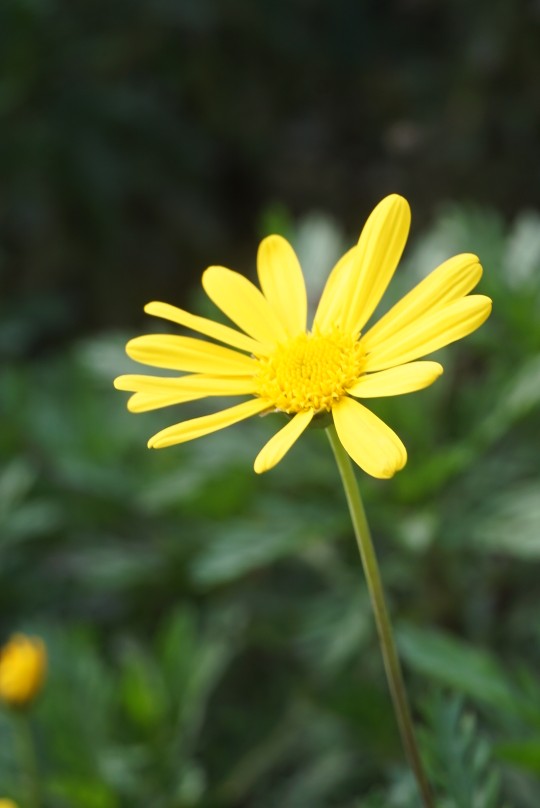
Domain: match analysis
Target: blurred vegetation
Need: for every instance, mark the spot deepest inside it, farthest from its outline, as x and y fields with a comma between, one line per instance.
x=210, y=637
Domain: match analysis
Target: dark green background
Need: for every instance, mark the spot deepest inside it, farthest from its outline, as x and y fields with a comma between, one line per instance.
x=142, y=140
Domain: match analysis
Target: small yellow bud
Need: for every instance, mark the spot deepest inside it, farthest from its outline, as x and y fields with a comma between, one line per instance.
x=7, y=804
x=23, y=662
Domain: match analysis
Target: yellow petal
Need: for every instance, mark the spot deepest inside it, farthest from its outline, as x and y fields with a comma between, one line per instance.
x=430, y=332
x=331, y=302
x=244, y=304
x=450, y=281
x=396, y=381
x=379, y=249
x=189, y=354
x=368, y=440
x=207, y=327
x=282, y=282
x=153, y=392
x=197, y=427
x=282, y=441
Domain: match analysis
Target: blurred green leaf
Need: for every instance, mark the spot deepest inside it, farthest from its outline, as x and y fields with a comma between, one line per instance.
x=523, y=753
x=459, y=757
x=142, y=689
x=512, y=525
x=452, y=662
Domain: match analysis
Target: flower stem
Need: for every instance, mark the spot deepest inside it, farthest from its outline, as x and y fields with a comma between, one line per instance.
x=382, y=618
x=27, y=760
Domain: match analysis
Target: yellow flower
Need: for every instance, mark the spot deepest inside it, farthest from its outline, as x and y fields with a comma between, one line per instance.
x=282, y=366
x=7, y=804
x=23, y=662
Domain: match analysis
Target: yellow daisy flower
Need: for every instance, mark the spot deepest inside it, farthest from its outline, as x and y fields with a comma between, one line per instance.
x=23, y=663
x=284, y=366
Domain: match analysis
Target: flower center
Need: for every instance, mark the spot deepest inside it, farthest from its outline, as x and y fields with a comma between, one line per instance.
x=310, y=371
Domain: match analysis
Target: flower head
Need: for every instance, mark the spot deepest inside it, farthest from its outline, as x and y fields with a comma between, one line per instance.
x=274, y=360
x=5, y=803
x=23, y=663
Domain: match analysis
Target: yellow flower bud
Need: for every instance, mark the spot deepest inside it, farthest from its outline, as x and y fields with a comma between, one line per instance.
x=23, y=662
x=7, y=804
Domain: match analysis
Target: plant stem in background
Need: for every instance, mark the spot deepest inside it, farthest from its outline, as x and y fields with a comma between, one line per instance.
x=382, y=618
x=27, y=760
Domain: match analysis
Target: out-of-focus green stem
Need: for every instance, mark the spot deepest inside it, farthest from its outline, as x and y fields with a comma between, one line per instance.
x=382, y=618
x=27, y=760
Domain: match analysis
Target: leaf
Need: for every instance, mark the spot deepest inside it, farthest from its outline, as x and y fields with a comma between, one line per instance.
x=523, y=753
x=142, y=688
x=512, y=525
x=193, y=660
x=518, y=397
x=250, y=544
x=458, y=756
x=458, y=665
x=16, y=480
x=522, y=254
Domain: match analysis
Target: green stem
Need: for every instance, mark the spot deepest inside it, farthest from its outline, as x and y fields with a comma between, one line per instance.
x=27, y=760
x=382, y=618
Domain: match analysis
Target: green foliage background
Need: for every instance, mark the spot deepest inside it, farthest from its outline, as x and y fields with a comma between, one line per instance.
x=142, y=140
x=210, y=638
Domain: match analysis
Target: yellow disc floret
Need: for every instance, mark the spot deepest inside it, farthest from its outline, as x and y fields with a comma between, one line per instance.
x=310, y=372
